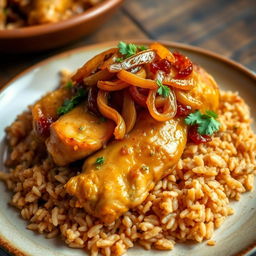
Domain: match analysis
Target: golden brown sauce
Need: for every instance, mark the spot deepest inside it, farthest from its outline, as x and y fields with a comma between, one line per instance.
x=133, y=165
x=131, y=168
x=77, y=134
x=204, y=95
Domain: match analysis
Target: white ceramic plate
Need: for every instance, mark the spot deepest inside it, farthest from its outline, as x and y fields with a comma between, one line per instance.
x=237, y=234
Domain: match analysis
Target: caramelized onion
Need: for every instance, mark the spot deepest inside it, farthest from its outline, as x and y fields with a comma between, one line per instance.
x=138, y=97
x=92, y=101
x=163, y=52
x=182, y=84
x=186, y=99
x=129, y=112
x=110, y=61
x=136, y=80
x=111, y=113
x=142, y=73
x=94, y=78
x=138, y=59
x=92, y=65
x=169, y=107
x=141, y=98
x=112, y=85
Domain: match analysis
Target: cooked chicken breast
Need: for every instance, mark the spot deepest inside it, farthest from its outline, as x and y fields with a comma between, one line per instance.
x=77, y=134
x=204, y=95
x=44, y=111
x=131, y=167
x=206, y=90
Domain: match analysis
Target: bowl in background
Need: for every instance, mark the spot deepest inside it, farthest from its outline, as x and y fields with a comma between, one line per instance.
x=52, y=35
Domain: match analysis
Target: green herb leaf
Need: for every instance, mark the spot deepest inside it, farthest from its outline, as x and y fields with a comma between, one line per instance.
x=163, y=90
x=131, y=50
x=70, y=104
x=122, y=48
x=69, y=85
x=211, y=113
x=142, y=47
x=100, y=160
x=193, y=118
x=127, y=49
x=119, y=60
x=207, y=123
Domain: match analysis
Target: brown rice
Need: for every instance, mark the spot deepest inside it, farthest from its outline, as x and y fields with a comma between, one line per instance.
x=186, y=205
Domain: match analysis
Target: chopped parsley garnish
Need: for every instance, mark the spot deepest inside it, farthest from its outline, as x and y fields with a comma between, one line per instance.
x=71, y=103
x=128, y=50
x=207, y=123
x=142, y=47
x=99, y=161
x=119, y=59
x=163, y=90
x=69, y=84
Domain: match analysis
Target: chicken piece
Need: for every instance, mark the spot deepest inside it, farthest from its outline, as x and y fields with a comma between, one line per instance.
x=207, y=90
x=204, y=95
x=131, y=167
x=44, y=111
x=47, y=11
x=77, y=134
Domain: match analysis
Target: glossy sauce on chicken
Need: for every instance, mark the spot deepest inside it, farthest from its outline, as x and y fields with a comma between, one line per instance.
x=77, y=134
x=131, y=168
x=147, y=130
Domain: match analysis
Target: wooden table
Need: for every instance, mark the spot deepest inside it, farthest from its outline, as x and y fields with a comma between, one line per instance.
x=227, y=27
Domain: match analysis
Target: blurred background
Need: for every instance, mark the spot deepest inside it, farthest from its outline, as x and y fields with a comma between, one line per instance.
x=227, y=27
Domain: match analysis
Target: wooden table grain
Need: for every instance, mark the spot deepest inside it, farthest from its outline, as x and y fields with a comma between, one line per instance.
x=227, y=27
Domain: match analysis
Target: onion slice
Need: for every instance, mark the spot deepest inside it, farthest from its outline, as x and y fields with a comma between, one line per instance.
x=112, y=85
x=92, y=65
x=112, y=114
x=100, y=75
x=186, y=99
x=129, y=112
x=169, y=107
x=138, y=97
x=141, y=98
x=136, y=80
x=142, y=73
x=110, y=61
x=138, y=59
x=163, y=52
x=181, y=84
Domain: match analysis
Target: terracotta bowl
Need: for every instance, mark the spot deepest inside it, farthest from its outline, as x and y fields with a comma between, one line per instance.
x=47, y=36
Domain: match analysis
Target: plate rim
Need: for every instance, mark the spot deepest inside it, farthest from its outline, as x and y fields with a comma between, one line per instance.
x=6, y=245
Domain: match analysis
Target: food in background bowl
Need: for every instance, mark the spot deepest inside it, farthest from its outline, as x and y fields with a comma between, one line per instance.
x=171, y=151
x=20, y=13
x=51, y=35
